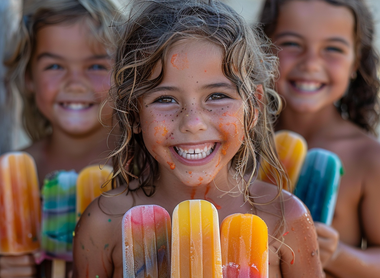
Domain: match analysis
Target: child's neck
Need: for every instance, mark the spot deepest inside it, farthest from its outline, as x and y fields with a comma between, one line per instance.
x=65, y=145
x=214, y=192
x=310, y=125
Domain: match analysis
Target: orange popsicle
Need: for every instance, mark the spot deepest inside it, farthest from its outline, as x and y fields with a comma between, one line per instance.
x=291, y=149
x=244, y=241
x=196, y=241
x=91, y=183
x=20, y=204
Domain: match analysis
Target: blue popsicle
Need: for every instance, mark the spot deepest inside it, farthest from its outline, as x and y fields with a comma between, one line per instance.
x=318, y=183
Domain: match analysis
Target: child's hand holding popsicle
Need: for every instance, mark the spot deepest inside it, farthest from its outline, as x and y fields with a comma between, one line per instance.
x=17, y=266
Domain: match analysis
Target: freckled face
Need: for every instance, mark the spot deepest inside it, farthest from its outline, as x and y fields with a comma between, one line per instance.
x=192, y=123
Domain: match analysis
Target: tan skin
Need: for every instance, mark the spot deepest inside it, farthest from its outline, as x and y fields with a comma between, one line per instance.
x=70, y=78
x=190, y=105
x=316, y=64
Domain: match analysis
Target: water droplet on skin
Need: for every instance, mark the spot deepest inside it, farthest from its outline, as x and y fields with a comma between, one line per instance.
x=313, y=254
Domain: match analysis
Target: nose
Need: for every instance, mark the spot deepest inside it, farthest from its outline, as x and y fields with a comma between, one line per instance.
x=192, y=121
x=75, y=82
x=311, y=61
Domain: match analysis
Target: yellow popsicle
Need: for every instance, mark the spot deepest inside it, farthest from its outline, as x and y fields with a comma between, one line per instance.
x=291, y=149
x=91, y=183
x=244, y=241
x=20, y=204
x=196, y=241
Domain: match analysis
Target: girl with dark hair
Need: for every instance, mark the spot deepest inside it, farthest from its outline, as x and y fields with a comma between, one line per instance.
x=328, y=79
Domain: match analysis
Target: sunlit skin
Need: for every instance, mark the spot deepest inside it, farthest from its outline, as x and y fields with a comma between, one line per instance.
x=195, y=106
x=316, y=63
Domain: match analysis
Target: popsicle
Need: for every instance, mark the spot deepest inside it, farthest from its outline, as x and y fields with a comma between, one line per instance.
x=58, y=215
x=291, y=149
x=146, y=236
x=319, y=182
x=244, y=241
x=20, y=204
x=91, y=182
x=196, y=249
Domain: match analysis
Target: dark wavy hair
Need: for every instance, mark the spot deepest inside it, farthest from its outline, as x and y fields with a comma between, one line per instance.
x=153, y=27
x=360, y=104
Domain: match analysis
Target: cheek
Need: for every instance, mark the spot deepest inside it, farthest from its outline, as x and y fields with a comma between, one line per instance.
x=101, y=84
x=155, y=127
x=231, y=127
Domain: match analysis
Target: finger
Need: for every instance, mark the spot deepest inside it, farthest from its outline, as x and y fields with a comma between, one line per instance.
x=23, y=260
x=325, y=231
x=23, y=271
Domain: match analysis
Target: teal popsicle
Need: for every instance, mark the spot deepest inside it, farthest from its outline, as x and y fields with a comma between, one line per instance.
x=318, y=183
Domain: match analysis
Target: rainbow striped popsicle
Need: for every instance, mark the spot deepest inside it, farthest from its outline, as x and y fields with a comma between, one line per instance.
x=58, y=219
x=244, y=240
x=146, y=237
x=20, y=205
x=196, y=241
x=319, y=182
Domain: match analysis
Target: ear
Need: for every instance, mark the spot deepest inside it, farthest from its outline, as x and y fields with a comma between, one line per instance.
x=136, y=127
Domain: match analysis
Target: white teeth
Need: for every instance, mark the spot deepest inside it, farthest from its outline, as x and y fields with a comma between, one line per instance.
x=308, y=86
x=196, y=154
x=76, y=106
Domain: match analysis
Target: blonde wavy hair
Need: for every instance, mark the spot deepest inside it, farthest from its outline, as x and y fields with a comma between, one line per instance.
x=152, y=28
x=97, y=14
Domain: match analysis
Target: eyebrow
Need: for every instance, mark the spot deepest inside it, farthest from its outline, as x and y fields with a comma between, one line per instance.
x=55, y=56
x=333, y=39
x=208, y=86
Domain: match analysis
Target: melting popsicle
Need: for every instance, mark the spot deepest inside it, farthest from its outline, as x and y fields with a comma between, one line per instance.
x=146, y=237
x=58, y=215
x=196, y=241
x=291, y=149
x=319, y=182
x=20, y=204
x=244, y=241
x=91, y=183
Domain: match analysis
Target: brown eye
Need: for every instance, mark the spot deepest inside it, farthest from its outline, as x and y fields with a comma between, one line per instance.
x=165, y=99
x=217, y=96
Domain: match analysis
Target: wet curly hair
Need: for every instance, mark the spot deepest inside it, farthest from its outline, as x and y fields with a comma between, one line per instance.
x=152, y=28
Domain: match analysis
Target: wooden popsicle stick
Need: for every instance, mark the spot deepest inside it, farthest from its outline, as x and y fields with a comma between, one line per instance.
x=58, y=269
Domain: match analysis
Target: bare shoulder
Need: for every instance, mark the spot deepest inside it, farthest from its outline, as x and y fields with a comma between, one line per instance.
x=360, y=153
x=289, y=224
x=277, y=200
x=103, y=216
x=98, y=236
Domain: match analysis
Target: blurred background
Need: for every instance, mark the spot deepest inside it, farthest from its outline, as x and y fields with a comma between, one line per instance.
x=12, y=136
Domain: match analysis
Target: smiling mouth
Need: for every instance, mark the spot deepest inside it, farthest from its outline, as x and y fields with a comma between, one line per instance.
x=75, y=106
x=196, y=153
x=309, y=87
